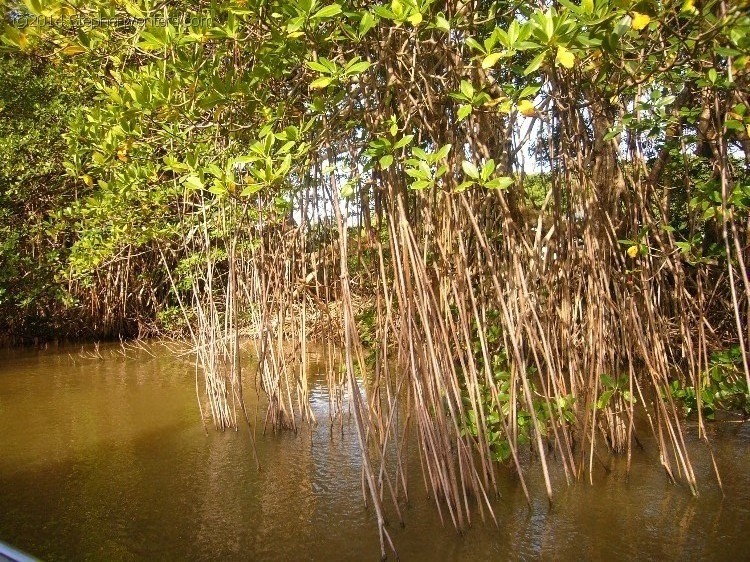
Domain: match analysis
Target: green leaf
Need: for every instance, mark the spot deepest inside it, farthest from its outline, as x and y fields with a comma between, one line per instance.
x=548, y=24
x=474, y=44
x=490, y=60
x=530, y=90
x=535, y=63
x=421, y=184
x=321, y=83
x=268, y=143
x=470, y=170
x=347, y=190
x=386, y=161
x=250, y=189
x=292, y=133
x=285, y=166
x=14, y=37
x=443, y=152
x=132, y=10
x=734, y=125
x=327, y=12
x=218, y=189
x=384, y=12
x=318, y=66
x=467, y=89
x=514, y=32
x=34, y=6
x=502, y=182
x=441, y=23
x=570, y=6
x=366, y=23
x=73, y=50
x=497, y=35
x=214, y=170
x=403, y=142
x=604, y=399
x=151, y=41
x=294, y=25
x=193, y=182
x=487, y=169
x=357, y=68
x=464, y=111
x=622, y=26
x=612, y=133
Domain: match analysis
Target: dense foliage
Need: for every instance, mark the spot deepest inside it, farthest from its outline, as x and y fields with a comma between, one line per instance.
x=33, y=185
x=534, y=214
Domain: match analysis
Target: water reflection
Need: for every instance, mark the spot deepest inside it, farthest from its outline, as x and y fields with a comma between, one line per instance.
x=106, y=459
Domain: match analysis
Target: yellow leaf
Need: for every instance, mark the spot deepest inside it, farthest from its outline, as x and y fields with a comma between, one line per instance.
x=415, y=19
x=526, y=107
x=640, y=21
x=688, y=7
x=72, y=50
x=565, y=57
x=490, y=60
x=321, y=83
x=633, y=251
x=88, y=180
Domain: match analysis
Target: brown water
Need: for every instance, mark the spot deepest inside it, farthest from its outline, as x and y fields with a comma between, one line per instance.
x=106, y=459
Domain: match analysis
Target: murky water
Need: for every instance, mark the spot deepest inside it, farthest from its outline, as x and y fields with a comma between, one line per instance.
x=106, y=459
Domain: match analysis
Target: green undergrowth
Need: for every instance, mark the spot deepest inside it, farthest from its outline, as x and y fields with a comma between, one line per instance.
x=723, y=387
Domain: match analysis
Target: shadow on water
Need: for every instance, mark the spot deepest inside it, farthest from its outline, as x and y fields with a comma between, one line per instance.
x=107, y=460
